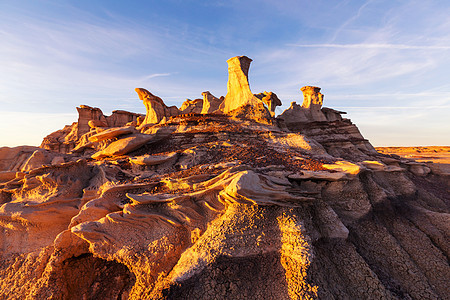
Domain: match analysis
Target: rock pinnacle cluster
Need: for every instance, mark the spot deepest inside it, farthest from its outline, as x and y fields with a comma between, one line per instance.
x=220, y=199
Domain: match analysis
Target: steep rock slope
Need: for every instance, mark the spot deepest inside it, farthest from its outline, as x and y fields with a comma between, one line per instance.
x=234, y=204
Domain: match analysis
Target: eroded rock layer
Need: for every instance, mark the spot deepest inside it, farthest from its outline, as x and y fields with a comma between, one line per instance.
x=222, y=204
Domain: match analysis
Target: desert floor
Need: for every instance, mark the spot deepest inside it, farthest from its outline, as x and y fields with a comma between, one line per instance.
x=436, y=154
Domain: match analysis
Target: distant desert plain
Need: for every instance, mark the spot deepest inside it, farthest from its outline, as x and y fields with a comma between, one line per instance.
x=436, y=154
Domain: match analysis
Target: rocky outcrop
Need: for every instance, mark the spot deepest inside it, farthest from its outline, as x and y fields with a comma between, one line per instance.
x=326, y=126
x=207, y=206
x=192, y=106
x=156, y=109
x=89, y=119
x=210, y=103
x=312, y=102
x=86, y=114
x=270, y=99
x=120, y=118
x=238, y=88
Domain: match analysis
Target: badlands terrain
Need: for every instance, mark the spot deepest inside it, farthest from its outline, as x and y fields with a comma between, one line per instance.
x=221, y=199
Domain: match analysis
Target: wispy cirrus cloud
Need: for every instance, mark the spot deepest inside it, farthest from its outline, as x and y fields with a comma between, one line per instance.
x=372, y=46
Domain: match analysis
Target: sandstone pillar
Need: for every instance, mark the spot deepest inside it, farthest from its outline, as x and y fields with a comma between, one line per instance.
x=238, y=88
x=156, y=109
x=313, y=100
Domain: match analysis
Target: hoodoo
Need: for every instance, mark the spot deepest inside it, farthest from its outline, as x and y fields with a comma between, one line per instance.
x=156, y=109
x=220, y=200
x=238, y=88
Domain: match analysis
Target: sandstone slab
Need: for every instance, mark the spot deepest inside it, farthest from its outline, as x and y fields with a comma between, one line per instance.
x=124, y=146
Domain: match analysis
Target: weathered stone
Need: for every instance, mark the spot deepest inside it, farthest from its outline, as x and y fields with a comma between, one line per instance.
x=210, y=103
x=215, y=206
x=313, y=100
x=294, y=114
x=238, y=88
x=36, y=160
x=151, y=160
x=156, y=109
x=86, y=114
x=270, y=99
x=120, y=118
x=111, y=133
x=192, y=106
x=97, y=123
x=332, y=114
x=343, y=166
x=124, y=146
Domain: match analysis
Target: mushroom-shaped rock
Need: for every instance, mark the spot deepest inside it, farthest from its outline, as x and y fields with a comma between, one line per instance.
x=310, y=111
x=238, y=89
x=192, y=106
x=210, y=103
x=313, y=100
x=156, y=109
x=312, y=97
x=270, y=99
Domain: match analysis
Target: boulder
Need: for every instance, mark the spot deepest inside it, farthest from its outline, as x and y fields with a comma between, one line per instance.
x=156, y=109
x=13, y=159
x=238, y=88
x=124, y=146
x=97, y=123
x=111, y=133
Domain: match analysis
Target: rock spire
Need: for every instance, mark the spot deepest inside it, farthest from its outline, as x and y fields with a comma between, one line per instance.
x=156, y=109
x=238, y=88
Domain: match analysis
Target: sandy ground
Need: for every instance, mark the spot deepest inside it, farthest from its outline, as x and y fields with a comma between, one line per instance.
x=436, y=154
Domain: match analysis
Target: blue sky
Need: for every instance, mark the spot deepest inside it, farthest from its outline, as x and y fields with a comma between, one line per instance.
x=387, y=63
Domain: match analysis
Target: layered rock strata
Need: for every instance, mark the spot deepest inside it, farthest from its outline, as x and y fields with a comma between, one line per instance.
x=208, y=206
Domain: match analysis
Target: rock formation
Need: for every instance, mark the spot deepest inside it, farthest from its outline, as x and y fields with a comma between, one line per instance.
x=208, y=206
x=156, y=109
x=238, y=88
x=210, y=103
x=89, y=119
x=270, y=99
x=192, y=106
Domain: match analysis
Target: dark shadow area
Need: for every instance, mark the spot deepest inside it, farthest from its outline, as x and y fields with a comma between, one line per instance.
x=251, y=277
x=88, y=277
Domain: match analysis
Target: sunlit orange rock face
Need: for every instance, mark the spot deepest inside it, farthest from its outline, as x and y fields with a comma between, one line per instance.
x=220, y=199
